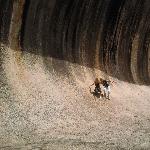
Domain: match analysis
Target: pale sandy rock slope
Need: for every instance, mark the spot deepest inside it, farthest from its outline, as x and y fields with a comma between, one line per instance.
x=43, y=107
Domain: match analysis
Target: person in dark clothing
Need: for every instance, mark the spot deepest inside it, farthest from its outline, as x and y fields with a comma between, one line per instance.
x=97, y=86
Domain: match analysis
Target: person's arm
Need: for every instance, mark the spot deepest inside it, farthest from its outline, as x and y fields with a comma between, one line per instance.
x=111, y=82
x=92, y=84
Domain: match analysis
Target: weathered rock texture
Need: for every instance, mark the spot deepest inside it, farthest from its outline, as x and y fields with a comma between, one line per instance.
x=111, y=35
x=51, y=51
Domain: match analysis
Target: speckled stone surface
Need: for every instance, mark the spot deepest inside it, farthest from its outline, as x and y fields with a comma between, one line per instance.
x=51, y=51
x=45, y=109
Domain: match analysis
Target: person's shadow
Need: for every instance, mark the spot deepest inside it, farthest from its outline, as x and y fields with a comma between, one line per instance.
x=96, y=94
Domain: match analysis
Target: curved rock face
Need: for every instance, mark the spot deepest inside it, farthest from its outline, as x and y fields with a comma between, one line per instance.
x=111, y=35
x=51, y=51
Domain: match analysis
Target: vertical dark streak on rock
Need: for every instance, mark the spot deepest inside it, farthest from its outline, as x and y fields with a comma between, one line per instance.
x=6, y=8
x=24, y=18
x=143, y=50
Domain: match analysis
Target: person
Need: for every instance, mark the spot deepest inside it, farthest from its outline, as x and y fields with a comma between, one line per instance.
x=97, y=86
x=106, y=85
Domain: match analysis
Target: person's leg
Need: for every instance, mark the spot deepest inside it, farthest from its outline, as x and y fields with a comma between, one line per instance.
x=100, y=92
x=108, y=92
x=108, y=95
x=95, y=90
x=99, y=89
x=104, y=92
